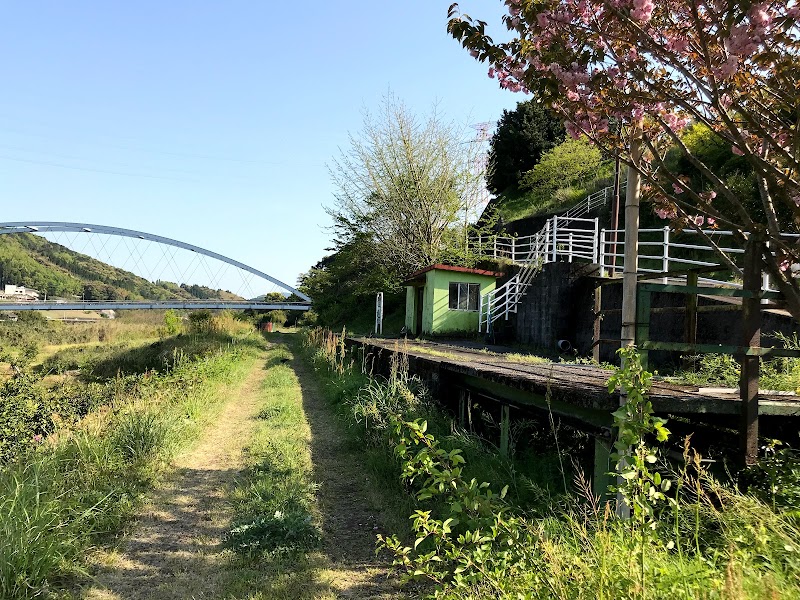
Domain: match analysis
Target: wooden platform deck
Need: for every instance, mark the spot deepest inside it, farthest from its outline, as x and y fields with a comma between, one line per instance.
x=576, y=392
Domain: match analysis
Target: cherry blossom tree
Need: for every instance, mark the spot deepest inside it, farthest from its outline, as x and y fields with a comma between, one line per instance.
x=636, y=73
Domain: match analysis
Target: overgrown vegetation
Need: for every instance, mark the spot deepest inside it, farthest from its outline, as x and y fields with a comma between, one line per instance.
x=777, y=374
x=690, y=535
x=77, y=456
x=273, y=503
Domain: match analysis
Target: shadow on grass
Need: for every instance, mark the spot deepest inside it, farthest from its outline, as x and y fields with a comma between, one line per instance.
x=355, y=505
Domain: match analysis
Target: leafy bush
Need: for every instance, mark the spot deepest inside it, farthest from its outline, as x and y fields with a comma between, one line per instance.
x=279, y=533
x=776, y=479
x=173, y=324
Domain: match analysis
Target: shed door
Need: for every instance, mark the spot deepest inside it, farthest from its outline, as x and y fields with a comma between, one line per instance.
x=418, y=319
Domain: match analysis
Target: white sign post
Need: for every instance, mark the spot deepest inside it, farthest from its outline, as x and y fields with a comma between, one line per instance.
x=379, y=314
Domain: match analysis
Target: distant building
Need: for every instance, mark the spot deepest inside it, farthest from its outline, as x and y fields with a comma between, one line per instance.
x=19, y=293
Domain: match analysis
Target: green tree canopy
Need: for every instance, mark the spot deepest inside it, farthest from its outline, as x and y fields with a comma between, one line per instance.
x=522, y=136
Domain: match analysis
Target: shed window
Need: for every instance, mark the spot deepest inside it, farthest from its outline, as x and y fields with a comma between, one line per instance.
x=464, y=296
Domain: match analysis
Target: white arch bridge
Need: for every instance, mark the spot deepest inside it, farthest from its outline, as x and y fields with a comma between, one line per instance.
x=160, y=261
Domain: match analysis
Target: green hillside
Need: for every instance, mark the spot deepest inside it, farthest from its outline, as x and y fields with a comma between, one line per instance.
x=33, y=261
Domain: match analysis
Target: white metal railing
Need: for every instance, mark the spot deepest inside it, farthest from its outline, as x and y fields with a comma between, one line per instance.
x=663, y=250
x=568, y=238
x=568, y=235
x=572, y=237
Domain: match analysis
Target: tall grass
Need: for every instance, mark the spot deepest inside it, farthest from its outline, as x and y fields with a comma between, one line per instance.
x=63, y=494
x=706, y=538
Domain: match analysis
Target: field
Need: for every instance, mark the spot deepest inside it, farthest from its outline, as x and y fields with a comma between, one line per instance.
x=210, y=461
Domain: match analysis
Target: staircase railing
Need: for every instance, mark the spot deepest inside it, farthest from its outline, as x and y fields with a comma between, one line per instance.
x=561, y=237
x=518, y=249
x=568, y=235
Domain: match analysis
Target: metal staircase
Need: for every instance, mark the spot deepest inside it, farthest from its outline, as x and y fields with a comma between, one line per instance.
x=569, y=235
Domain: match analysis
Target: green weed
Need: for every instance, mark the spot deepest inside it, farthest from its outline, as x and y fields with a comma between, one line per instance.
x=58, y=496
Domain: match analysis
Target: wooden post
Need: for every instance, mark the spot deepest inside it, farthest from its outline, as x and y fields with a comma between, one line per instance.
x=691, y=309
x=631, y=264
x=598, y=322
x=505, y=426
x=602, y=468
x=462, y=407
x=751, y=337
x=629, y=273
x=469, y=410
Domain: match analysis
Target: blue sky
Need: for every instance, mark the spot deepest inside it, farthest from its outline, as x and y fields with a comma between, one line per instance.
x=212, y=122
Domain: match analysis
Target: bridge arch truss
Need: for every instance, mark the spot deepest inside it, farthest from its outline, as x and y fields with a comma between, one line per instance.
x=45, y=227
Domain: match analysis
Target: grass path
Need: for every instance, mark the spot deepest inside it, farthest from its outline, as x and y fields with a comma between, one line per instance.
x=348, y=503
x=174, y=550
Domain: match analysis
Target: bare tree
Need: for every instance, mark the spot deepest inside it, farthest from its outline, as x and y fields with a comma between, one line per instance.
x=409, y=185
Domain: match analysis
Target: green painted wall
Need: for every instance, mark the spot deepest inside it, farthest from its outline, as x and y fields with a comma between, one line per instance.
x=437, y=316
x=411, y=309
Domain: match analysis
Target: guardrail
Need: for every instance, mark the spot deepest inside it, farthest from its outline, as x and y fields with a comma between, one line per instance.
x=573, y=237
x=665, y=250
x=154, y=305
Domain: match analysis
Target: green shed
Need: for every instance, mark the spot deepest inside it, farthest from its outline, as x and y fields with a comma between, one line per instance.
x=446, y=299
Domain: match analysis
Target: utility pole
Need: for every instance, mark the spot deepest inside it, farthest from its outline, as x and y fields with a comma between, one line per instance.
x=629, y=273
x=630, y=268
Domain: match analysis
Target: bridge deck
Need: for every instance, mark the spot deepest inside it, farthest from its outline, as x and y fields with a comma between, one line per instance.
x=578, y=392
x=155, y=305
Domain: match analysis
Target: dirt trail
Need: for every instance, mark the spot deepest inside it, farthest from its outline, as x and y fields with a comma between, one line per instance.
x=174, y=551
x=351, y=516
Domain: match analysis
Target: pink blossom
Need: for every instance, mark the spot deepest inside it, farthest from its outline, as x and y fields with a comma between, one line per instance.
x=678, y=189
x=698, y=220
x=38, y=438
x=711, y=221
x=573, y=130
x=542, y=18
x=666, y=213
x=677, y=44
x=729, y=67
x=760, y=15
x=642, y=10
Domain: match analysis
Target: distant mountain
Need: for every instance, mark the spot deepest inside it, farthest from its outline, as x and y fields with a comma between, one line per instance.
x=33, y=261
